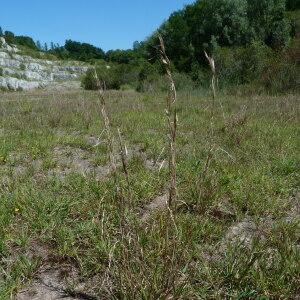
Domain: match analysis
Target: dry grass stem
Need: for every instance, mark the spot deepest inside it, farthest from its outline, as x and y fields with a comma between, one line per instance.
x=123, y=152
x=111, y=150
x=212, y=65
x=172, y=123
x=204, y=173
x=110, y=140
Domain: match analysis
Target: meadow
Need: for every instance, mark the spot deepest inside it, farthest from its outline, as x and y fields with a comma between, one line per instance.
x=232, y=234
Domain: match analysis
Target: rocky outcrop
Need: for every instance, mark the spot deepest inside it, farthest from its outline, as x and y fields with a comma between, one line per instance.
x=23, y=72
x=15, y=84
x=7, y=47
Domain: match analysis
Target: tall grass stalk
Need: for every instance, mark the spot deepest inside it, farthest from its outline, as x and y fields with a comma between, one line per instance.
x=110, y=140
x=123, y=153
x=212, y=65
x=172, y=123
x=119, y=196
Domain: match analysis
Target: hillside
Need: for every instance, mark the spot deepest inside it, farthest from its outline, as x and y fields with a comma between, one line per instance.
x=23, y=72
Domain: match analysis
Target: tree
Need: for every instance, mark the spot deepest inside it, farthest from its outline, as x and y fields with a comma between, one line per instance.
x=25, y=41
x=217, y=22
x=120, y=56
x=136, y=45
x=46, y=47
x=209, y=24
x=292, y=4
x=52, y=46
x=83, y=51
x=177, y=39
x=38, y=45
x=268, y=23
x=9, y=37
x=1, y=31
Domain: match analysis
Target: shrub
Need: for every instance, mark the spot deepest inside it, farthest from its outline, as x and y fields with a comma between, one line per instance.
x=148, y=77
x=25, y=41
x=281, y=73
x=258, y=64
x=114, y=77
x=241, y=65
x=88, y=81
x=22, y=66
x=126, y=87
x=183, y=82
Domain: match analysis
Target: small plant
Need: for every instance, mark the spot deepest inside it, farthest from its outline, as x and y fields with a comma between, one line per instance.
x=22, y=66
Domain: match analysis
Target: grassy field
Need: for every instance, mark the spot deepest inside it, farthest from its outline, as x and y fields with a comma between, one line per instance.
x=233, y=235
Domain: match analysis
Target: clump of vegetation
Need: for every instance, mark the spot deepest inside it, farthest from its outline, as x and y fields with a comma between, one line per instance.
x=78, y=51
x=258, y=64
x=19, y=40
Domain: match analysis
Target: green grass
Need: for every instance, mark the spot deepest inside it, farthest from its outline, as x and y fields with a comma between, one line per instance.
x=254, y=170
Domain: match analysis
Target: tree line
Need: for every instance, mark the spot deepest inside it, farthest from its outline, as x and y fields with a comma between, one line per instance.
x=203, y=25
x=248, y=39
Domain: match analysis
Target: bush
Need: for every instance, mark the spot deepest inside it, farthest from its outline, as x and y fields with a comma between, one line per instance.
x=281, y=73
x=25, y=41
x=110, y=76
x=258, y=64
x=183, y=82
x=148, y=77
x=114, y=76
x=241, y=65
x=88, y=82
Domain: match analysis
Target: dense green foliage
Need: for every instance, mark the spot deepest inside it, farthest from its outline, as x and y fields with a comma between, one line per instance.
x=83, y=51
x=77, y=51
x=251, y=41
x=20, y=40
x=258, y=64
x=207, y=25
x=136, y=75
x=293, y=4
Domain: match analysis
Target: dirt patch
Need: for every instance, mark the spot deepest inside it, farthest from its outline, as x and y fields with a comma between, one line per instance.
x=242, y=233
x=159, y=203
x=55, y=283
x=155, y=165
x=75, y=160
x=53, y=280
x=222, y=209
x=49, y=284
x=67, y=159
x=92, y=140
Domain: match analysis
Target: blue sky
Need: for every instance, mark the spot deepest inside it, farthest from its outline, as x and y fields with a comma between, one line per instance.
x=109, y=24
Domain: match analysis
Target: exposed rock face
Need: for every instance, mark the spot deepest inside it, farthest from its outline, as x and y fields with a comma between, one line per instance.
x=6, y=46
x=22, y=72
x=15, y=84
